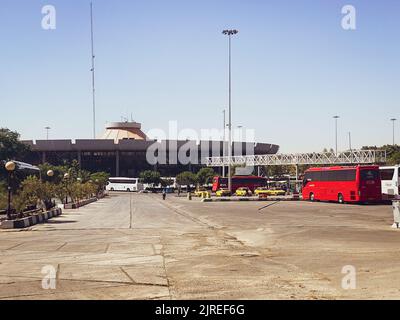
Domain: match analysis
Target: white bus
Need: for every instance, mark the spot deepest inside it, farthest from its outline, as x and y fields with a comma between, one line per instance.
x=124, y=184
x=390, y=177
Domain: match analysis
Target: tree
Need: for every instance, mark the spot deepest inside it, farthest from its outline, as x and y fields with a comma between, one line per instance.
x=205, y=176
x=3, y=196
x=278, y=171
x=33, y=192
x=394, y=158
x=58, y=171
x=166, y=182
x=100, y=180
x=11, y=148
x=186, y=178
x=150, y=177
x=392, y=153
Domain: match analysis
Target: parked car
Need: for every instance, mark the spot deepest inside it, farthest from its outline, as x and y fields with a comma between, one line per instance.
x=243, y=192
x=223, y=193
x=261, y=191
x=199, y=192
x=270, y=192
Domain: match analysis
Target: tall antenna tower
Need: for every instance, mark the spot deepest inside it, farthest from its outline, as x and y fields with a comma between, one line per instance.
x=93, y=72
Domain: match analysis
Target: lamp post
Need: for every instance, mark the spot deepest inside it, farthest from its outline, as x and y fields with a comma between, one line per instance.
x=47, y=132
x=223, y=144
x=240, y=133
x=336, y=121
x=230, y=33
x=393, y=121
x=10, y=167
x=66, y=177
x=349, y=133
x=50, y=204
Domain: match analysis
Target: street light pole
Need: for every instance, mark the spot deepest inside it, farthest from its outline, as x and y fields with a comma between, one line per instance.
x=10, y=167
x=229, y=33
x=66, y=180
x=240, y=133
x=336, y=144
x=350, y=141
x=393, y=121
x=47, y=132
x=93, y=70
x=223, y=144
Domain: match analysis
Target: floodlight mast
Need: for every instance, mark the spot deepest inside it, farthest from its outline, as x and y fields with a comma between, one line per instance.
x=230, y=33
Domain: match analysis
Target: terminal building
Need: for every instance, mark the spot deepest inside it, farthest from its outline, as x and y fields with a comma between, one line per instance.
x=122, y=151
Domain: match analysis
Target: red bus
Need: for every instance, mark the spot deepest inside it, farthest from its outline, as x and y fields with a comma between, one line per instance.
x=251, y=182
x=343, y=184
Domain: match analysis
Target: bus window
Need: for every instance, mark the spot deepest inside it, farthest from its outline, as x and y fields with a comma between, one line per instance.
x=387, y=174
x=369, y=175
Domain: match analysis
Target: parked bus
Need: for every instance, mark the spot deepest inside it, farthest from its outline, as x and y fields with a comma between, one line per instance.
x=124, y=184
x=251, y=182
x=343, y=184
x=390, y=177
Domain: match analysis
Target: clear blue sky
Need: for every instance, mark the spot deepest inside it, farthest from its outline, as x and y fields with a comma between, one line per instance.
x=294, y=67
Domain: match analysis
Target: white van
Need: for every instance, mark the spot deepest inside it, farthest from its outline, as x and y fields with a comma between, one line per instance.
x=124, y=184
x=390, y=177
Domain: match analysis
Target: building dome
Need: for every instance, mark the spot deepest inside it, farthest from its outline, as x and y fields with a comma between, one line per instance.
x=124, y=131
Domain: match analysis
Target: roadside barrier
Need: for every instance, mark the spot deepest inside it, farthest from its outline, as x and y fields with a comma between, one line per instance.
x=30, y=221
x=76, y=205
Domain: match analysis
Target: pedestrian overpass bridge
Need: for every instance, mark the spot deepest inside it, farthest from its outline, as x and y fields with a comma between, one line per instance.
x=322, y=158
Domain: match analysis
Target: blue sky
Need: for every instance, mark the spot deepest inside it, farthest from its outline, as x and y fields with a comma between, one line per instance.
x=294, y=67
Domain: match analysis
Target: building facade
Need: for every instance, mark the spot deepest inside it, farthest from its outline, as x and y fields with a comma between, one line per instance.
x=125, y=151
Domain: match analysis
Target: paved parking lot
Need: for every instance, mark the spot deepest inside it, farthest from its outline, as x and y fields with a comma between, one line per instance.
x=136, y=246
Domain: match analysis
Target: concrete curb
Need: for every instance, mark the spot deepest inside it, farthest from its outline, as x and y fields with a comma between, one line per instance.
x=30, y=221
x=249, y=199
x=77, y=205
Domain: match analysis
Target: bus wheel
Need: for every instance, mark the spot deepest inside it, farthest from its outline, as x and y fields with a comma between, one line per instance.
x=128, y=190
x=112, y=189
x=312, y=197
x=340, y=198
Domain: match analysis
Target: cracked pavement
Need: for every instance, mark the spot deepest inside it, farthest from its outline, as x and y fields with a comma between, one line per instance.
x=136, y=246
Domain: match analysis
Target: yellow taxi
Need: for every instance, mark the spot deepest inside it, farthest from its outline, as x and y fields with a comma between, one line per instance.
x=199, y=192
x=243, y=192
x=223, y=193
x=269, y=192
x=277, y=192
x=261, y=191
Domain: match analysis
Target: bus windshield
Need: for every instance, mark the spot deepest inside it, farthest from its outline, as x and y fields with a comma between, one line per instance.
x=387, y=174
